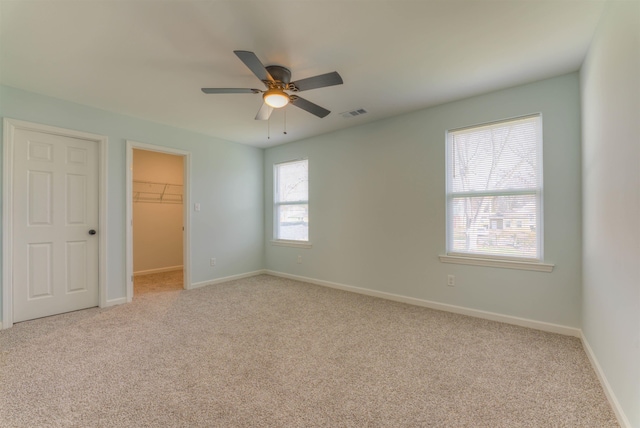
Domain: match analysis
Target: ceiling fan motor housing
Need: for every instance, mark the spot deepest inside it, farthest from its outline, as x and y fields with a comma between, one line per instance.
x=279, y=74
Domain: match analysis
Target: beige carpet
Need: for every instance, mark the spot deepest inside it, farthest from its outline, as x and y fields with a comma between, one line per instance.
x=269, y=352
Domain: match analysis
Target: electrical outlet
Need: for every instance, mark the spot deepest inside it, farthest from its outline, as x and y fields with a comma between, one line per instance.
x=451, y=280
x=299, y=259
x=212, y=262
x=196, y=207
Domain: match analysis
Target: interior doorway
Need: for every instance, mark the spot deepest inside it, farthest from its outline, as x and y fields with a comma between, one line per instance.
x=157, y=202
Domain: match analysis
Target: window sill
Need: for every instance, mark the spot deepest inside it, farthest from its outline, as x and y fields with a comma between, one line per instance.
x=506, y=264
x=295, y=244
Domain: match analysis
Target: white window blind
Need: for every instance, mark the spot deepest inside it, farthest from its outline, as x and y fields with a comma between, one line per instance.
x=494, y=189
x=291, y=207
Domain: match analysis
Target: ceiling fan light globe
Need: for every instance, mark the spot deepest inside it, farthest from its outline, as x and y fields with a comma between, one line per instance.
x=275, y=98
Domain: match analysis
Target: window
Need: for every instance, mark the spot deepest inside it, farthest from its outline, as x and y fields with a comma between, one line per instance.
x=291, y=207
x=494, y=179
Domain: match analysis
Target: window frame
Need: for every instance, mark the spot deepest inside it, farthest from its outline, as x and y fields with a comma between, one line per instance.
x=477, y=258
x=277, y=203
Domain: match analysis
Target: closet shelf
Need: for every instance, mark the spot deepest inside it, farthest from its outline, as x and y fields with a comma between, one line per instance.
x=159, y=193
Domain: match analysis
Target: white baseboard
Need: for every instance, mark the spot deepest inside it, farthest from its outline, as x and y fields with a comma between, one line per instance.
x=508, y=319
x=226, y=279
x=617, y=409
x=0, y=325
x=158, y=270
x=114, y=302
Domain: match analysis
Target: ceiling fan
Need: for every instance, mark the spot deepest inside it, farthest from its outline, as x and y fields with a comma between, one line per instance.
x=277, y=79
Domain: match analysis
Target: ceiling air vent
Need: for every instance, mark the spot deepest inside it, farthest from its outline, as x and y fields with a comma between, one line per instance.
x=353, y=113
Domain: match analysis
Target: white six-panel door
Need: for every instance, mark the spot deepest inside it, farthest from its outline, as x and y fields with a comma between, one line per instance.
x=54, y=210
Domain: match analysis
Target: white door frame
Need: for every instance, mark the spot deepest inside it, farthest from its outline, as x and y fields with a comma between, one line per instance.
x=186, y=181
x=10, y=126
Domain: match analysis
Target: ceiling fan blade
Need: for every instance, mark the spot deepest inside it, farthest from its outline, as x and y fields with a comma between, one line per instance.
x=253, y=63
x=265, y=112
x=328, y=79
x=230, y=91
x=309, y=106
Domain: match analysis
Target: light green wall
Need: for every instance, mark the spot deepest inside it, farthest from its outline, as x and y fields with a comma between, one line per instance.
x=226, y=181
x=377, y=200
x=377, y=207
x=610, y=83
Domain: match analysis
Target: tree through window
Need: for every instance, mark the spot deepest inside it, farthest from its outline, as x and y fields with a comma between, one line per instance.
x=494, y=189
x=292, y=200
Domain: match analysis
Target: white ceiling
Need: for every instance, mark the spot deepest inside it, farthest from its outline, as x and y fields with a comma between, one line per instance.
x=149, y=59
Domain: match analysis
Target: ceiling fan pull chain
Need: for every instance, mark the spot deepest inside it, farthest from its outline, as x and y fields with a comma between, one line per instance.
x=285, y=122
x=269, y=128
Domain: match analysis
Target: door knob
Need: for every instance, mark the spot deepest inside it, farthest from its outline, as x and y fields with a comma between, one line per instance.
x=92, y=232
